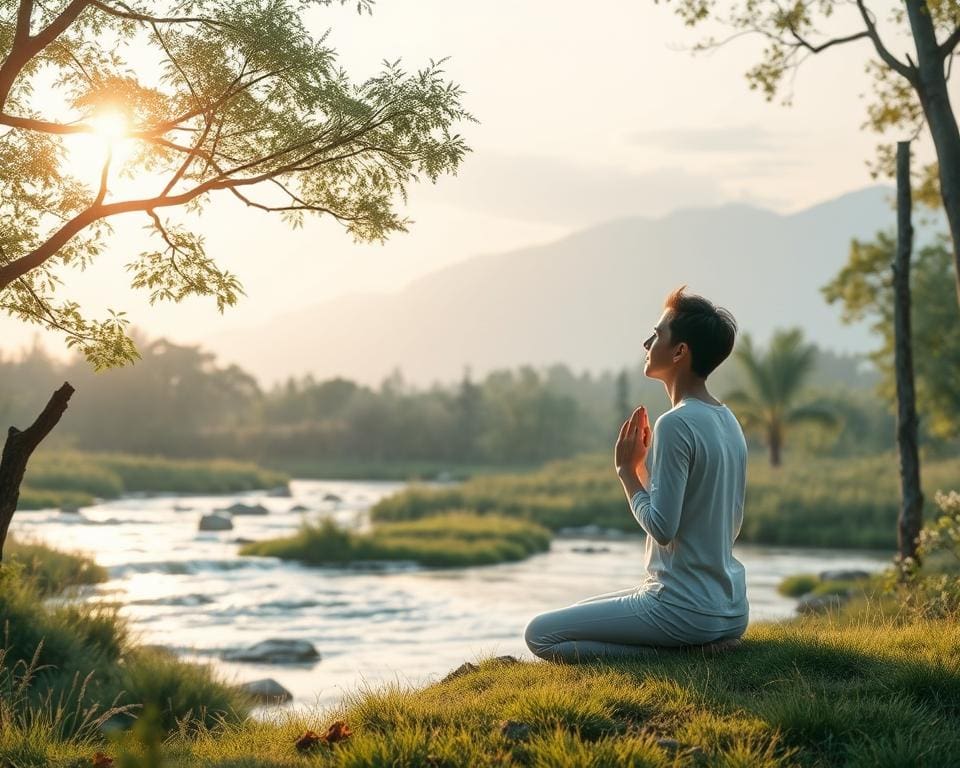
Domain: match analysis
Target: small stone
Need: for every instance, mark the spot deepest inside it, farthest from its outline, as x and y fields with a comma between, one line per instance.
x=463, y=669
x=299, y=508
x=182, y=508
x=246, y=509
x=280, y=491
x=276, y=651
x=267, y=690
x=841, y=575
x=507, y=660
x=590, y=550
x=513, y=730
x=69, y=509
x=820, y=603
x=332, y=497
x=216, y=522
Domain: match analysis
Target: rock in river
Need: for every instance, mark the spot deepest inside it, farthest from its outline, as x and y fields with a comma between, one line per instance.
x=267, y=690
x=840, y=575
x=216, y=522
x=246, y=509
x=276, y=651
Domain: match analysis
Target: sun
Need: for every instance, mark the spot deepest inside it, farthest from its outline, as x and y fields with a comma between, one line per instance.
x=111, y=125
x=108, y=138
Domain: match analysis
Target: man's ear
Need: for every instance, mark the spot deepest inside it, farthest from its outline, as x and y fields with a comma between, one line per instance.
x=680, y=351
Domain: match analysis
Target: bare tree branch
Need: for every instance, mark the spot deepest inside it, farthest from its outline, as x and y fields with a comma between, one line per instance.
x=950, y=43
x=908, y=72
x=823, y=46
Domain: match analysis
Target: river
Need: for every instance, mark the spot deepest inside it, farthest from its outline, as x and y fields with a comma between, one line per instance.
x=190, y=591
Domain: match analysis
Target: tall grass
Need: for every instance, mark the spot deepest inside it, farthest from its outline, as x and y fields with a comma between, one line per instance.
x=449, y=540
x=62, y=478
x=51, y=570
x=808, y=502
x=79, y=659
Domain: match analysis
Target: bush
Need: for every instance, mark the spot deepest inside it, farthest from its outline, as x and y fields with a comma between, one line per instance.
x=798, y=585
x=930, y=586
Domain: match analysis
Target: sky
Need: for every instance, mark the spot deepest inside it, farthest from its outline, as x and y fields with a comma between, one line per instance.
x=587, y=112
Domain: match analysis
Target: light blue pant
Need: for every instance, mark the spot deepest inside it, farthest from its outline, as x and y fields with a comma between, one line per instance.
x=623, y=624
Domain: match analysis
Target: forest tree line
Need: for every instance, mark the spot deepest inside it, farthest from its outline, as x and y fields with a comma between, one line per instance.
x=178, y=401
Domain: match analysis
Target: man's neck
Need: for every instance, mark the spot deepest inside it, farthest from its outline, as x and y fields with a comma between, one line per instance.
x=693, y=386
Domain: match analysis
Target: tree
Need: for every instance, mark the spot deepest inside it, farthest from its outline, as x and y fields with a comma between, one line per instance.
x=909, y=93
x=215, y=97
x=864, y=290
x=774, y=382
x=911, y=496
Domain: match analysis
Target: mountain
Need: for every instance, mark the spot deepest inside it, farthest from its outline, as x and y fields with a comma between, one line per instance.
x=588, y=300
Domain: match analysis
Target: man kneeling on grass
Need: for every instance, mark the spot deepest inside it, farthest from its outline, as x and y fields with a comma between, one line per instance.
x=689, y=503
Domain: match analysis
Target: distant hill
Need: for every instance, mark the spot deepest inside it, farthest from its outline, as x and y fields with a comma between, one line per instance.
x=587, y=300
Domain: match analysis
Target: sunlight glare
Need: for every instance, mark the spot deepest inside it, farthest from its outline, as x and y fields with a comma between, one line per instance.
x=111, y=125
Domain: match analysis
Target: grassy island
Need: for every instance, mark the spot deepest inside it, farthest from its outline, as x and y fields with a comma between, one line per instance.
x=448, y=540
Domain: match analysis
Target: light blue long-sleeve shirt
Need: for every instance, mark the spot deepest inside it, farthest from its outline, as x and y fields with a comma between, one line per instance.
x=693, y=509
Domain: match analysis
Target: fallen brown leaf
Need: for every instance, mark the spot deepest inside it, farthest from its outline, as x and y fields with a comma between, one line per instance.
x=308, y=741
x=338, y=731
x=101, y=760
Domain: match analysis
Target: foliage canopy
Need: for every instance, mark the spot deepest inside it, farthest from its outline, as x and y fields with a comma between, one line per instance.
x=206, y=97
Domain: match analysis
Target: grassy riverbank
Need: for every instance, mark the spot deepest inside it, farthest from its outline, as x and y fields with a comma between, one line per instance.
x=861, y=690
x=808, y=502
x=446, y=541
x=62, y=478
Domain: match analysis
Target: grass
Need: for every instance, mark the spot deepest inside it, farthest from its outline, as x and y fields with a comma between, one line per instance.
x=855, y=689
x=806, y=502
x=49, y=570
x=65, y=478
x=444, y=541
x=66, y=669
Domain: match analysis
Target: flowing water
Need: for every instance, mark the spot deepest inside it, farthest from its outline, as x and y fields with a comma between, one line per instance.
x=190, y=591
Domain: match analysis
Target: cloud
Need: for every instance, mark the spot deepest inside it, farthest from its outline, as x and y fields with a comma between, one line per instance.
x=549, y=189
x=743, y=139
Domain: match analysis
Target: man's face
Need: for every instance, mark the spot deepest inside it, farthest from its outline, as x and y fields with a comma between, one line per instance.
x=658, y=346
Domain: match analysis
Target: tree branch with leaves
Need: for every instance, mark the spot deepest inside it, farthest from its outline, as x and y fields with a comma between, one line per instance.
x=238, y=98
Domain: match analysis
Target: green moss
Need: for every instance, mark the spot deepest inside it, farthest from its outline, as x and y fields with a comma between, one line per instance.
x=450, y=540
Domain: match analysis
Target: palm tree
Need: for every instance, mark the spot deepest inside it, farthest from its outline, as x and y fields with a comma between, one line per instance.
x=774, y=382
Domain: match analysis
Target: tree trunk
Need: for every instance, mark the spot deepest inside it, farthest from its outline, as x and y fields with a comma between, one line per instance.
x=17, y=451
x=775, y=446
x=911, y=497
x=935, y=100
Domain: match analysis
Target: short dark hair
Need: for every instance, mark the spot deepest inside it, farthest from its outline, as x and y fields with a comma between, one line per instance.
x=707, y=329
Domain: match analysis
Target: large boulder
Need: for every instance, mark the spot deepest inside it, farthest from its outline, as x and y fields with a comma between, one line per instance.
x=276, y=651
x=267, y=691
x=216, y=522
x=246, y=509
